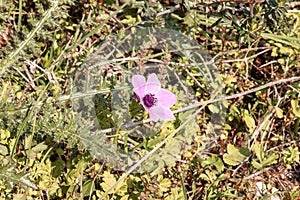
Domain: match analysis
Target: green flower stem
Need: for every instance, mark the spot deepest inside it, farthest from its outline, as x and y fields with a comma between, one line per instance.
x=20, y=15
x=27, y=118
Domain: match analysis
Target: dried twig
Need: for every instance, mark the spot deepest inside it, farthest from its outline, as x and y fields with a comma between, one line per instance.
x=168, y=11
x=246, y=58
x=292, y=4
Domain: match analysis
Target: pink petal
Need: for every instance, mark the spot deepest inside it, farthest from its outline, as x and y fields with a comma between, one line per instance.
x=160, y=112
x=152, y=85
x=140, y=92
x=152, y=88
x=153, y=116
x=165, y=98
x=152, y=78
x=138, y=81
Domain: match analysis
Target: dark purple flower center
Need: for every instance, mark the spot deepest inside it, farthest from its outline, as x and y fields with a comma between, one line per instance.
x=149, y=100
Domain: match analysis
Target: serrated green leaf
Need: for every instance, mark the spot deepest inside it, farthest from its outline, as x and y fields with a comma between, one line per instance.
x=232, y=150
x=164, y=183
x=271, y=159
x=292, y=155
x=256, y=164
x=108, y=182
x=213, y=161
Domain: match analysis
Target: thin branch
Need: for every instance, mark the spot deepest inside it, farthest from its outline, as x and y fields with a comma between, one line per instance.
x=246, y=58
x=256, y=174
x=268, y=63
x=168, y=11
x=234, y=96
x=292, y=4
x=239, y=51
x=287, y=144
x=240, y=165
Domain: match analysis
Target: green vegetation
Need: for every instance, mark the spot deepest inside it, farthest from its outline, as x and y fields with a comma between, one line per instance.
x=255, y=45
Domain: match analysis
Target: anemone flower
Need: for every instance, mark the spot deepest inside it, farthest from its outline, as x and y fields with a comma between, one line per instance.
x=155, y=100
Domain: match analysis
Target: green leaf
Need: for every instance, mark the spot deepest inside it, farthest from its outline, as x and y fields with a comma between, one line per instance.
x=256, y=164
x=4, y=134
x=291, y=41
x=109, y=181
x=39, y=148
x=36, y=149
x=189, y=19
x=213, y=108
x=271, y=159
x=292, y=155
x=88, y=188
x=28, y=141
x=20, y=197
x=279, y=112
x=213, y=161
x=58, y=167
x=258, y=150
x=219, y=165
x=3, y=150
x=126, y=197
x=250, y=122
x=296, y=109
x=234, y=156
x=229, y=160
x=262, y=159
x=176, y=194
x=164, y=183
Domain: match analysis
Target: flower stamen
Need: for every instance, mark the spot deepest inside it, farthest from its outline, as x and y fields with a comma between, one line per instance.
x=149, y=100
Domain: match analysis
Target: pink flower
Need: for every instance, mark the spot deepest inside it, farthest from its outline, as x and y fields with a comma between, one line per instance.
x=155, y=100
